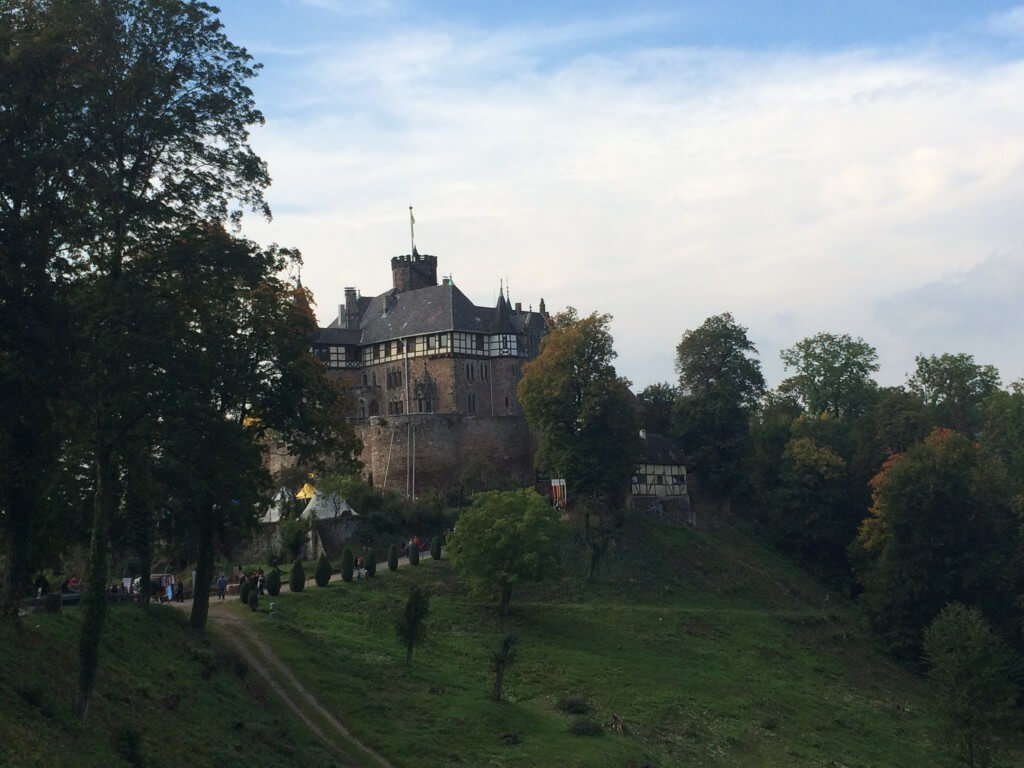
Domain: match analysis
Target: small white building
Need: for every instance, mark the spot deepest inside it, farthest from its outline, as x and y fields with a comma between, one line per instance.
x=662, y=468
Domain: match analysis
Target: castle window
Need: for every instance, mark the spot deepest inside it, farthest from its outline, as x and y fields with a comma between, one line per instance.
x=376, y=351
x=506, y=403
x=480, y=342
x=366, y=380
x=659, y=479
x=362, y=409
x=430, y=342
x=640, y=478
x=375, y=379
x=374, y=408
x=471, y=403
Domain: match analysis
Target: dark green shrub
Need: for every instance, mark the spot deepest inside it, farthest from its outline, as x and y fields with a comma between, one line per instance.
x=51, y=602
x=129, y=746
x=435, y=547
x=573, y=705
x=244, y=590
x=393, y=558
x=348, y=562
x=297, y=581
x=414, y=555
x=323, y=570
x=371, y=564
x=274, y=582
x=254, y=600
x=583, y=727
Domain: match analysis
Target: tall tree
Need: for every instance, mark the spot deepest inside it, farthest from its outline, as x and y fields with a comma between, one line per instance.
x=832, y=373
x=1003, y=431
x=941, y=529
x=720, y=382
x=411, y=627
x=657, y=401
x=955, y=389
x=581, y=409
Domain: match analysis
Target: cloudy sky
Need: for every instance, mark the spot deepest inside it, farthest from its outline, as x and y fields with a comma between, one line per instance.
x=809, y=166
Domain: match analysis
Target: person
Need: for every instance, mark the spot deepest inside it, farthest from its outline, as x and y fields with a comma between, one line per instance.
x=168, y=593
x=222, y=586
x=179, y=592
x=259, y=582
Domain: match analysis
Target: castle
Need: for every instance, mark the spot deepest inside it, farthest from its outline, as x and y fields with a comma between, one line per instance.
x=434, y=379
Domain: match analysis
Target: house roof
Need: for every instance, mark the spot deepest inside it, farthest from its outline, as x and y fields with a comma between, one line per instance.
x=656, y=449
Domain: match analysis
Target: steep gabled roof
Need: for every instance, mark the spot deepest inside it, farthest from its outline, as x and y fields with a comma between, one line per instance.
x=655, y=449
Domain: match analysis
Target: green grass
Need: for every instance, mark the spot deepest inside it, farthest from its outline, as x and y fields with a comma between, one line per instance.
x=187, y=702
x=709, y=648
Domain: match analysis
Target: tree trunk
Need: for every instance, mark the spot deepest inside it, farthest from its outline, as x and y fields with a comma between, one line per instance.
x=506, y=596
x=204, y=571
x=499, y=679
x=96, y=578
x=18, y=530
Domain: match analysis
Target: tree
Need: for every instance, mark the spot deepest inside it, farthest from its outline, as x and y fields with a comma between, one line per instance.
x=294, y=534
x=323, y=570
x=720, y=383
x=501, y=660
x=506, y=537
x=941, y=529
x=1003, y=431
x=347, y=564
x=414, y=554
x=435, y=548
x=393, y=558
x=274, y=582
x=833, y=373
x=371, y=564
x=900, y=420
x=973, y=671
x=657, y=401
x=955, y=389
x=411, y=626
x=581, y=410
x=297, y=580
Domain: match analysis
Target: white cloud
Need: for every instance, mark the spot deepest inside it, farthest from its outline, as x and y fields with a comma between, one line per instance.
x=799, y=191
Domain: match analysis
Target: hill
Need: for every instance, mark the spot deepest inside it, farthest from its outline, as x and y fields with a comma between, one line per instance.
x=163, y=698
x=702, y=648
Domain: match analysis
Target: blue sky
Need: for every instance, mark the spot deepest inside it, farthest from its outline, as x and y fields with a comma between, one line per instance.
x=808, y=166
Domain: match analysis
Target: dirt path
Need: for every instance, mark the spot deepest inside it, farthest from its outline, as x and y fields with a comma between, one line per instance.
x=242, y=638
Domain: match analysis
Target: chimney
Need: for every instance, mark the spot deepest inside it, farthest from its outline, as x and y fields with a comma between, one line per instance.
x=519, y=306
x=351, y=319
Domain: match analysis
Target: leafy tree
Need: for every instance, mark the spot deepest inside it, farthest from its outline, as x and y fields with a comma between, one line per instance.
x=506, y=537
x=254, y=600
x=973, y=672
x=297, y=580
x=435, y=547
x=393, y=558
x=347, y=564
x=832, y=373
x=900, y=420
x=371, y=564
x=657, y=401
x=940, y=530
x=274, y=582
x=955, y=389
x=720, y=383
x=411, y=626
x=501, y=660
x=1003, y=431
x=245, y=590
x=581, y=410
x=414, y=555
x=323, y=570
x=294, y=534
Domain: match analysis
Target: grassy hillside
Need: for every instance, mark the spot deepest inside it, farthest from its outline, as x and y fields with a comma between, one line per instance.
x=709, y=649
x=163, y=698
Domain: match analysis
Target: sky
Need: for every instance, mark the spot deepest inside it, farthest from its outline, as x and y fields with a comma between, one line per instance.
x=807, y=166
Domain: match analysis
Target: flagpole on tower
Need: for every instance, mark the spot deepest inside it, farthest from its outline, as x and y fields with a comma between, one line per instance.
x=412, y=232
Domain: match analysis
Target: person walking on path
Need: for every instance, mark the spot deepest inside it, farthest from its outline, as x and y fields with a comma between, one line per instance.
x=222, y=586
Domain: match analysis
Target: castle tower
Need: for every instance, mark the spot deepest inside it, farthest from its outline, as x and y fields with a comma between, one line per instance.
x=409, y=273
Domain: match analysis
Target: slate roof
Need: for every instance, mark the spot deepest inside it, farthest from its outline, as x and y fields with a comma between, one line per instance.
x=656, y=449
x=434, y=309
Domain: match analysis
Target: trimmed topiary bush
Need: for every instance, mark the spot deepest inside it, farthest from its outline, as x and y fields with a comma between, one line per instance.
x=297, y=581
x=244, y=590
x=274, y=582
x=371, y=564
x=435, y=547
x=573, y=705
x=323, y=570
x=393, y=558
x=254, y=600
x=414, y=555
x=348, y=562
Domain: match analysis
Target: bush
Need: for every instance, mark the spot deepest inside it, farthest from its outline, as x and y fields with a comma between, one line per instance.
x=371, y=564
x=293, y=535
x=297, y=581
x=414, y=555
x=573, y=705
x=323, y=570
x=393, y=558
x=254, y=600
x=583, y=727
x=348, y=562
x=128, y=743
x=274, y=582
x=435, y=547
x=244, y=590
